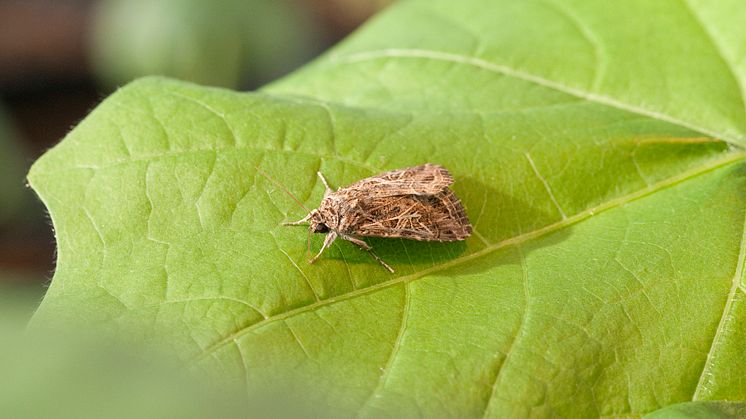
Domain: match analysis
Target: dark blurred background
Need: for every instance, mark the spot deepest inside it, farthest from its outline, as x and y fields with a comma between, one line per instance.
x=59, y=58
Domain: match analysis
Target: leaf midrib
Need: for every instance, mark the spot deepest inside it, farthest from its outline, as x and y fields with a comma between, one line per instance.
x=730, y=158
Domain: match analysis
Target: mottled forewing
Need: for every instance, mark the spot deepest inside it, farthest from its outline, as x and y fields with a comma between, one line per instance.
x=437, y=217
x=426, y=179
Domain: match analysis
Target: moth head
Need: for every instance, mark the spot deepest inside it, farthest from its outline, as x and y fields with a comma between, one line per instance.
x=317, y=223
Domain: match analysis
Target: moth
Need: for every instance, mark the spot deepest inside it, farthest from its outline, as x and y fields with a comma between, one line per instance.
x=413, y=203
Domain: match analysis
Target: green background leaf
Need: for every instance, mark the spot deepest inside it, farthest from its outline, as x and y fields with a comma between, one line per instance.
x=597, y=149
x=700, y=410
x=221, y=43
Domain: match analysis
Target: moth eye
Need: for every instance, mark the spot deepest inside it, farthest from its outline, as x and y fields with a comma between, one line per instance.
x=321, y=228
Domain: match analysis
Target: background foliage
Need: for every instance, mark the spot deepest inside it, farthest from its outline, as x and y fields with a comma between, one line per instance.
x=229, y=43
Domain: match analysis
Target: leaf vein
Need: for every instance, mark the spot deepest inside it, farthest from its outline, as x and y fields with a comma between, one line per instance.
x=590, y=37
x=529, y=77
x=546, y=185
x=303, y=274
x=719, y=49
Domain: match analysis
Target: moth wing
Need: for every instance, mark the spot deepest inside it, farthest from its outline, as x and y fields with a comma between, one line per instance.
x=426, y=179
x=438, y=217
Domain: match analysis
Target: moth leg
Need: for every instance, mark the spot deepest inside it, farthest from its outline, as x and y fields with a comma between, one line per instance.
x=367, y=247
x=357, y=241
x=299, y=222
x=327, y=241
x=328, y=190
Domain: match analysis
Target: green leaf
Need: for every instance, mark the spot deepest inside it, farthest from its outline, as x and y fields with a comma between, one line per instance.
x=600, y=164
x=18, y=300
x=701, y=410
x=221, y=43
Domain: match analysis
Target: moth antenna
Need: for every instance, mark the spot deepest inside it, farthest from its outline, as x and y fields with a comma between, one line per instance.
x=284, y=189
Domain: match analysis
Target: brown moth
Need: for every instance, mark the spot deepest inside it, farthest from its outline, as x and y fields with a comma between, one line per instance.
x=413, y=203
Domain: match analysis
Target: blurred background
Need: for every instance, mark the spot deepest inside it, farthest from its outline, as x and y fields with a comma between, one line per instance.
x=59, y=58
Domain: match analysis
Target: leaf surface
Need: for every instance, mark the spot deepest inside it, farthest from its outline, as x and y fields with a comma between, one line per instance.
x=605, y=181
x=700, y=410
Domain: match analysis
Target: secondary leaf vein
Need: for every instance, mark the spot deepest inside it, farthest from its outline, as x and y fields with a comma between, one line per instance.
x=523, y=75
